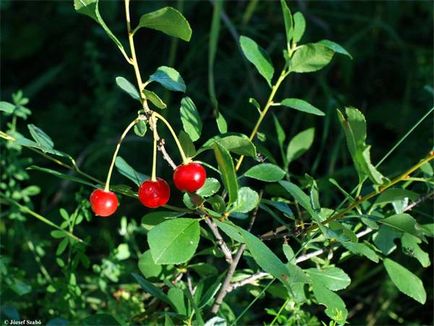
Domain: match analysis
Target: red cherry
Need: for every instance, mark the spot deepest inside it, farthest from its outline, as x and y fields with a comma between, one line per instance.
x=103, y=203
x=189, y=177
x=154, y=194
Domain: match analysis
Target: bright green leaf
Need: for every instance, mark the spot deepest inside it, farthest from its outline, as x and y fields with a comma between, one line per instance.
x=227, y=169
x=405, y=281
x=6, y=107
x=140, y=128
x=169, y=78
x=154, y=98
x=265, y=172
x=247, y=201
x=190, y=118
x=384, y=239
x=174, y=241
x=300, y=144
x=236, y=143
x=40, y=137
x=332, y=278
x=128, y=88
x=410, y=246
x=187, y=144
x=299, y=26
x=176, y=296
x=354, y=126
x=258, y=57
x=310, y=57
x=169, y=21
x=301, y=198
x=336, y=309
x=361, y=249
x=335, y=47
x=147, y=265
x=210, y=187
x=301, y=105
x=287, y=18
x=154, y=218
x=403, y=223
x=128, y=171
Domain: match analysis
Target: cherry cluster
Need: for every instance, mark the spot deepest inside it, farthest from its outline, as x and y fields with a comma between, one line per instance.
x=152, y=194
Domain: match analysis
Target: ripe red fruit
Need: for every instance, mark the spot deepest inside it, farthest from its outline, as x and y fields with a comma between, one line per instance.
x=154, y=194
x=189, y=177
x=103, y=203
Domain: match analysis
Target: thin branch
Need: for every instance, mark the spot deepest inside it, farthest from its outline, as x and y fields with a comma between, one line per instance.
x=222, y=244
x=419, y=201
x=225, y=289
x=261, y=275
x=249, y=280
x=163, y=151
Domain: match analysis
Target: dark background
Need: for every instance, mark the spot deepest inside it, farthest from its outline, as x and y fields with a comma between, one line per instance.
x=67, y=66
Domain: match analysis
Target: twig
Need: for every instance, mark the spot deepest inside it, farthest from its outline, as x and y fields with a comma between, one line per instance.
x=248, y=280
x=233, y=266
x=420, y=200
x=163, y=151
x=222, y=244
x=261, y=275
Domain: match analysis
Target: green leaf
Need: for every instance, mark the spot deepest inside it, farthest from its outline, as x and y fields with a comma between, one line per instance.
x=176, y=296
x=247, y=201
x=167, y=20
x=190, y=118
x=151, y=289
x=128, y=88
x=155, y=218
x=258, y=57
x=299, y=26
x=40, y=137
x=289, y=253
x=174, y=241
x=395, y=194
x=403, y=223
x=61, y=175
x=236, y=143
x=210, y=187
x=19, y=287
x=187, y=144
x=100, y=320
x=127, y=171
x=301, y=105
x=222, y=125
x=354, y=126
x=140, y=128
x=332, y=278
x=122, y=252
x=335, y=47
x=265, y=172
x=155, y=99
x=410, y=246
x=287, y=18
x=310, y=57
x=169, y=78
x=361, y=249
x=227, y=169
x=384, y=239
x=301, y=198
x=405, y=281
x=336, y=309
x=6, y=107
x=300, y=144
x=90, y=8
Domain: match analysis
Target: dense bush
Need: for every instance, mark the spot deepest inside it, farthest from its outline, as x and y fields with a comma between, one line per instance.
x=299, y=222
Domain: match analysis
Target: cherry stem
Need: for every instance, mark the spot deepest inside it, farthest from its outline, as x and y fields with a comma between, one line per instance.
x=115, y=154
x=185, y=160
x=154, y=153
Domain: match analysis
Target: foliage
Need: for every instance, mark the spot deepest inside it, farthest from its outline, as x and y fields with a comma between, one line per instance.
x=286, y=215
